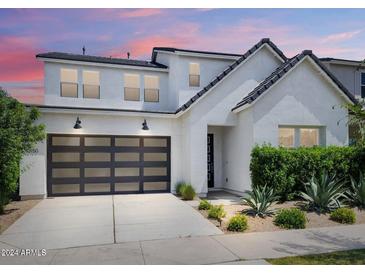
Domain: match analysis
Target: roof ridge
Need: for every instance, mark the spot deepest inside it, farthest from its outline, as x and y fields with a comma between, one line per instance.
x=88, y=55
x=278, y=73
x=99, y=59
x=230, y=68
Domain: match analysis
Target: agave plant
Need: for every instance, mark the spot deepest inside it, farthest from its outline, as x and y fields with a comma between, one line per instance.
x=324, y=194
x=259, y=200
x=357, y=191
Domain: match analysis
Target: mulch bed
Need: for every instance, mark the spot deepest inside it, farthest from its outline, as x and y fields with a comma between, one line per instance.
x=257, y=224
x=13, y=211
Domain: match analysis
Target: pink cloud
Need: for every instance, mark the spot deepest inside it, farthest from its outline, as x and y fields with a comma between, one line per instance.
x=113, y=14
x=18, y=64
x=17, y=60
x=339, y=37
x=32, y=93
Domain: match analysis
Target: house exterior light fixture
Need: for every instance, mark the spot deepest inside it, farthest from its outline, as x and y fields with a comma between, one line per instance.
x=144, y=125
x=77, y=124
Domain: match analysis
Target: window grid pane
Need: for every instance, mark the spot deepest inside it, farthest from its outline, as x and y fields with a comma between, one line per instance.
x=151, y=95
x=91, y=91
x=309, y=137
x=69, y=75
x=131, y=94
x=131, y=81
x=68, y=89
x=286, y=137
x=363, y=78
x=194, y=80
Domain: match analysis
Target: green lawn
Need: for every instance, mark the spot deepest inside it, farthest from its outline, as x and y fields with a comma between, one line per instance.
x=341, y=257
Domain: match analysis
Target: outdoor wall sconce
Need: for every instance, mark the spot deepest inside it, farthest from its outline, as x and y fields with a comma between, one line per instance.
x=144, y=125
x=77, y=124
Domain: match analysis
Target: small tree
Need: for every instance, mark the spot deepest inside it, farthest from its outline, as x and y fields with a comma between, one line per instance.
x=18, y=136
x=357, y=120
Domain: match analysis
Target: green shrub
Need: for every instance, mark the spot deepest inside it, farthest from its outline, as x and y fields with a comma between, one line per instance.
x=324, y=194
x=179, y=188
x=204, y=205
x=292, y=218
x=343, y=216
x=19, y=134
x=188, y=192
x=357, y=191
x=287, y=169
x=259, y=200
x=237, y=223
x=217, y=212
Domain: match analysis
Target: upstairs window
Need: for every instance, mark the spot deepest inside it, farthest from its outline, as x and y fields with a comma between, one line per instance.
x=131, y=87
x=91, y=85
x=363, y=85
x=297, y=136
x=194, y=75
x=151, y=88
x=69, y=83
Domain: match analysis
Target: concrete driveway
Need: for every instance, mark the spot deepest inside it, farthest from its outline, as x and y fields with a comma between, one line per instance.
x=98, y=220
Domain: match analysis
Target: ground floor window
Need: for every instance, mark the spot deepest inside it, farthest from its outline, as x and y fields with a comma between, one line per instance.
x=300, y=136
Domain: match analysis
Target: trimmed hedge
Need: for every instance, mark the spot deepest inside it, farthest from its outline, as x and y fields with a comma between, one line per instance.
x=287, y=169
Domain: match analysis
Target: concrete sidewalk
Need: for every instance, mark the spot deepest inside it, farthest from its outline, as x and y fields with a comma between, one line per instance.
x=245, y=248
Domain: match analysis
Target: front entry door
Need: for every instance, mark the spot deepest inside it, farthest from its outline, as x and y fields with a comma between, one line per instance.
x=210, y=160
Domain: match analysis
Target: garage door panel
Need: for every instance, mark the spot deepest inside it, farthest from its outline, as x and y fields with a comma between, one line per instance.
x=93, y=164
x=97, y=187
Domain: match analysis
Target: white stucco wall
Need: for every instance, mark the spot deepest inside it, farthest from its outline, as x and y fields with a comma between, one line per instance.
x=214, y=109
x=33, y=181
x=303, y=97
x=179, y=73
x=111, y=88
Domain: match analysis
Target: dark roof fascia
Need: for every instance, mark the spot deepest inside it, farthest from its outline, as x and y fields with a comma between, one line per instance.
x=98, y=109
x=229, y=69
x=330, y=59
x=282, y=71
x=155, y=49
x=99, y=59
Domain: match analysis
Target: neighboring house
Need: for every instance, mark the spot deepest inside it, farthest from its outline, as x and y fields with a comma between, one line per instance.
x=351, y=73
x=186, y=115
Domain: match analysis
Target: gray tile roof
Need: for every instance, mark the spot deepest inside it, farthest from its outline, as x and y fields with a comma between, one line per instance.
x=99, y=59
x=281, y=71
x=229, y=69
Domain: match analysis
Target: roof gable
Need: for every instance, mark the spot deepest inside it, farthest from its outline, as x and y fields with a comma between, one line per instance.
x=229, y=70
x=281, y=71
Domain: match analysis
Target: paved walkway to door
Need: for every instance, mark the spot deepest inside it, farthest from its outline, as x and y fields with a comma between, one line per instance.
x=100, y=220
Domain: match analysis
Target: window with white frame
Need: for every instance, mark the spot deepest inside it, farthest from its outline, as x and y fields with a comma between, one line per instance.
x=194, y=75
x=151, y=88
x=68, y=83
x=91, y=84
x=299, y=136
x=362, y=84
x=131, y=87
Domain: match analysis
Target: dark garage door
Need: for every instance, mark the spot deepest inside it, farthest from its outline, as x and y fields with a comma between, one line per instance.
x=94, y=164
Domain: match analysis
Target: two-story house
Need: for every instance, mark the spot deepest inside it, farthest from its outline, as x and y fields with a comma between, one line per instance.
x=129, y=126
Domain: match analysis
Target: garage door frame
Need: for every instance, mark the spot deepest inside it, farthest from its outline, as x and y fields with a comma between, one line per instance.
x=82, y=180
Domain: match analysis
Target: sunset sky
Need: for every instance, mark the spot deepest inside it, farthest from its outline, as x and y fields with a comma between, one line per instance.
x=113, y=32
